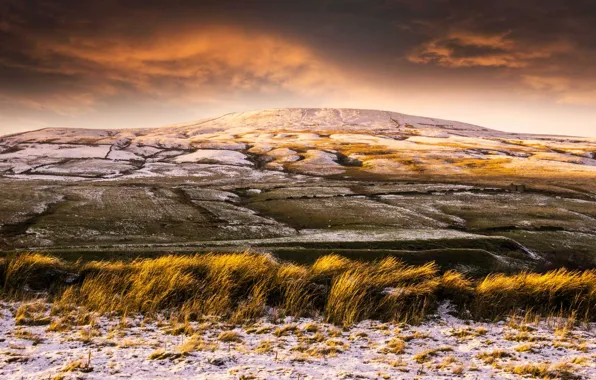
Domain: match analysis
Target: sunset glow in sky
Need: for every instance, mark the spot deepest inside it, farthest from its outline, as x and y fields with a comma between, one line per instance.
x=524, y=66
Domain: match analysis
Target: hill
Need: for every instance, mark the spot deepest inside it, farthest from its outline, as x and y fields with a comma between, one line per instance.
x=301, y=183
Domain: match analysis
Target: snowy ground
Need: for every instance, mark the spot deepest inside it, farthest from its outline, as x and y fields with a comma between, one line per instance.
x=445, y=347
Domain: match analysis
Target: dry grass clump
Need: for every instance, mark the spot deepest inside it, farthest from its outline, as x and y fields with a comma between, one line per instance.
x=331, y=265
x=580, y=360
x=519, y=326
x=59, y=324
x=265, y=346
x=386, y=290
x=295, y=291
x=491, y=356
x=334, y=332
x=324, y=351
x=315, y=338
x=525, y=348
x=31, y=271
x=28, y=335
x=263, y=330
x=230, y=285
x=180, y=329
x=229, y=337
x=87, y=334
x=337, y=343
x=449, y=361
x=162, y=354
x=81, y=365
x=543, y=370
x=68, y=318
x=243, y=286
x=425, y=355
x=286, y=330
x=394, y=346
x=468, y=333
x=311, y=327
x=456, y=286
x=32, y=314
x=582, y=347
x=414, y=335
x=197, y=343
x=558, y=292
x=358, y=335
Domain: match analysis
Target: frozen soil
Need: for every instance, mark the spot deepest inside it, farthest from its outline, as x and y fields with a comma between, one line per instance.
x=442, y=347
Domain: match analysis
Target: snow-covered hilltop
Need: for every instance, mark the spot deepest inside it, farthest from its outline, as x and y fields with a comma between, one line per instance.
x=306, y=141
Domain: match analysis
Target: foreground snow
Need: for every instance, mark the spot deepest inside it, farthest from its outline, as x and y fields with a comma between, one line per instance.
x=445, y=347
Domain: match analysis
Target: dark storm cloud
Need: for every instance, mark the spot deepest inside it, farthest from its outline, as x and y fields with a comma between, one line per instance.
x=547, y=45
x=71, y=57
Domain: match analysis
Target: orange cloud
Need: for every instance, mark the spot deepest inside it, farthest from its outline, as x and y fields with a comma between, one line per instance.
x=185, y=66
x=467, y=49
x=191, y=64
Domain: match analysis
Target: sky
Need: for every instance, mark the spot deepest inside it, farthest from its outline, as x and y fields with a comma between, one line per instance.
x=513, y=65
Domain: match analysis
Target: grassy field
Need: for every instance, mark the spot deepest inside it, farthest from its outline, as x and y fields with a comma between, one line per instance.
x=303, y=217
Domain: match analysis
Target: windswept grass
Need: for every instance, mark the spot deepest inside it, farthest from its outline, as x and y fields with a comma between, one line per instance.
x=35, y=270
x=560, y=291
x=241, y=287
x=387, y=290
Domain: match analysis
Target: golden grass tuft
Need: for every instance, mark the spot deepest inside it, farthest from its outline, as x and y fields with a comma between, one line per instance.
x=81, y=365
x=491, y=356
x=286, y=330
x=31, y=271
x=457, y=287
x=197, y=343
x=264, y=347
x=395, y=346
x=331, y=265
x=414, y=335
x=543, y=370
x=32, y=314
x=315, y=338
x=425, y=355
x=229, y=337
x=161, y=354
x=387, y=290
x=557, y=292
x=525, y=348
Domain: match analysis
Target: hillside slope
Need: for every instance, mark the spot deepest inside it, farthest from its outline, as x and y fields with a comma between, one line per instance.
x=301, y=183
x=355, y=143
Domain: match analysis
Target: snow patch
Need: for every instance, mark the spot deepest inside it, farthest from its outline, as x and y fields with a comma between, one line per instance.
x=215, y=155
